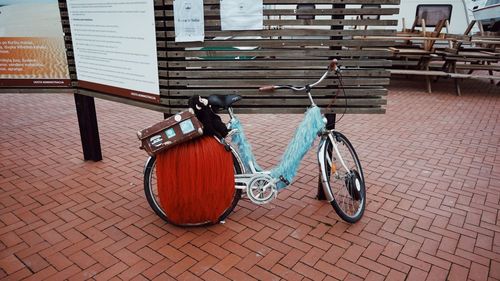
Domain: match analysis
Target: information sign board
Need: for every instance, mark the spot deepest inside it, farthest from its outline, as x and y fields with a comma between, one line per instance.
x=32, y=51
x=114, y=43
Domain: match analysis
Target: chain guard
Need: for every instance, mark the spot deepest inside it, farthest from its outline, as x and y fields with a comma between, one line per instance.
x=261, y=189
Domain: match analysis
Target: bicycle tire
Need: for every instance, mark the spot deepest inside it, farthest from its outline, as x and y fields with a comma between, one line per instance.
x=347, y=179
x=153, y=200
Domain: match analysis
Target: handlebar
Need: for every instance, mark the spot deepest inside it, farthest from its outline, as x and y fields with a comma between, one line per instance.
x=266, y=88
x=332, y=67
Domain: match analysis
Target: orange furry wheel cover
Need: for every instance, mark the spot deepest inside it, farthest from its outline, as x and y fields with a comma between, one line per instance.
x=195, y=181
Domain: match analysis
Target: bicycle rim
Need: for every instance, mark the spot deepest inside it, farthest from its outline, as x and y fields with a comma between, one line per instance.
x=347, y=185
x=151, y=191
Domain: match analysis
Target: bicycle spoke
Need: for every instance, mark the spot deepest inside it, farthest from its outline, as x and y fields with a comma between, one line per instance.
x=348, y=200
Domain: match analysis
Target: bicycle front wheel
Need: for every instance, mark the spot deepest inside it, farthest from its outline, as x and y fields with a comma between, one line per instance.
x=151, y=190
x=344, y=178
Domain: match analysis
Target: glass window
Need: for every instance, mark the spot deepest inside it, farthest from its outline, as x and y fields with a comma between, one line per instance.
x=432, y=14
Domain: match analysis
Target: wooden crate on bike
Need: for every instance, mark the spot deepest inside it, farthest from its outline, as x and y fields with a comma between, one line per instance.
x=179, y=128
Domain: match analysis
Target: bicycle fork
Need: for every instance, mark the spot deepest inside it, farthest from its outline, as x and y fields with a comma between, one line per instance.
x=325, y=136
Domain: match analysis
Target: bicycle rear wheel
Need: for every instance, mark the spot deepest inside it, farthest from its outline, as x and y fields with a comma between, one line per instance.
x=346, y=185
x=151, y=190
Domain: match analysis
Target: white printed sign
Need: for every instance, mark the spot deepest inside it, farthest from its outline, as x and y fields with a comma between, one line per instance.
x=241, y=14
x=189, y=21
x=32, y=50
x=114, y=43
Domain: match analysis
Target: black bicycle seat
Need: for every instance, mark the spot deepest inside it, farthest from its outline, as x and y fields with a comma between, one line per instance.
x=223, y=101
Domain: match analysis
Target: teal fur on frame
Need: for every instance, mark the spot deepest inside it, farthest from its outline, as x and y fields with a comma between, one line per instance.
x=302, y=141
x=244, y=148
x=304, y=137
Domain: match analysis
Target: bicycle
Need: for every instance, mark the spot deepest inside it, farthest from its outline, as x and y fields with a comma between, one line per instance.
x=341, y=173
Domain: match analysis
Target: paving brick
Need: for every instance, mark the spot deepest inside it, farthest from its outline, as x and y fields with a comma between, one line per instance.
x=394, y=264
x=35, y=262
x=105, y=258
x=82, y=259
x=430, y=246
x=333, y=254
x=134, y=270
x=308, y=271
x=437, y=274
x=416, y=275
x=59, y=261
x=395, y=275
x=181, y=266
x=458, y=273
x=285, y=273
x=235, y=274
x=478, y=272
x=472, y=257
x=431, y=201
x=187, y=276
x=372, y=276
x=434, y=260
x=392, y=250
x=11, y=264
x=495, y=270
x=331, y=270
x=353, y=268
x=353, y=253
x=448, y=245
x=373, y=251
x=66, y=273
x=227, y=263
x=466, y=243
x=411, y=248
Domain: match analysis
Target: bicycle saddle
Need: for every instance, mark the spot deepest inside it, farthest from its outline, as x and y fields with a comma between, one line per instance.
x=223, y=101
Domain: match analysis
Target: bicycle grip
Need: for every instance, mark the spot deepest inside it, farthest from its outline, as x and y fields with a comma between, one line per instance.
x=266, y=89
x=333, y=65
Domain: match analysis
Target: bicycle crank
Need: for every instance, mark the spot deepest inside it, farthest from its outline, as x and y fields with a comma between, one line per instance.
x=261, y=189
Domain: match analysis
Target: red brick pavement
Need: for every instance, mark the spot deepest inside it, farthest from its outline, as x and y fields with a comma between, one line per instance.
x=432, y=167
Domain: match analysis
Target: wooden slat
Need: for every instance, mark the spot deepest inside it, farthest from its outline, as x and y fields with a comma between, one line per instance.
x=246, y=102
x=273, y=64
x=285, y=53
x=297, y=110
x=265, y=43
x=290, y=52
x=350, y=92
x=308, y=22
x=224, y=83
x=226, y=74
x=294, y=12
x=295, y=32
x=285, y=2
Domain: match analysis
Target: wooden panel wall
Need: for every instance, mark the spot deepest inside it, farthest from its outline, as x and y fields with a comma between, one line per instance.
x=288, y=51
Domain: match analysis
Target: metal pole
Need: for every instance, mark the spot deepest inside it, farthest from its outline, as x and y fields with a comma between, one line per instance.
x=330, y=117
x=89, y=131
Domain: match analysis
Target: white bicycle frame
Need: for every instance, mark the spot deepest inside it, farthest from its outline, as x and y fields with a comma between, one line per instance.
x=246, y=180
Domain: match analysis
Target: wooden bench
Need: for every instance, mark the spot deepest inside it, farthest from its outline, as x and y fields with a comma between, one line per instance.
x=420, y=56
